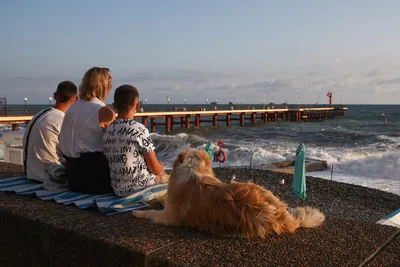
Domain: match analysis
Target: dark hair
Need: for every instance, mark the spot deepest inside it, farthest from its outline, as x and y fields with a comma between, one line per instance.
x=124, y=97
x=66, y=90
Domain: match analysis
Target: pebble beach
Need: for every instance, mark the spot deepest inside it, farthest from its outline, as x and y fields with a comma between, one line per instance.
x=349, y=235
x=335, y=199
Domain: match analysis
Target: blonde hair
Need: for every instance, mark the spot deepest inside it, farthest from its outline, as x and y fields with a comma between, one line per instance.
x=96, y=82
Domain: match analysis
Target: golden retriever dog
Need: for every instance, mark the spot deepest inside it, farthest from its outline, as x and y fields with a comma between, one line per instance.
x=197, y=199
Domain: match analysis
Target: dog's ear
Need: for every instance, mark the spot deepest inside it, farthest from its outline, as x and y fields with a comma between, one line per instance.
x=181, y=157
x=205, y=157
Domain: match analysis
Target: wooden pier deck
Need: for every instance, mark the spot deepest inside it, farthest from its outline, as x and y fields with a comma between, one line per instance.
x=185, y=119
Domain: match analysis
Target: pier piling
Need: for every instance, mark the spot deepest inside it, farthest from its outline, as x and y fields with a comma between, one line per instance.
x=214, y=120
x=242, y=119
x=168, y=124
x=187, y=121
x=153, y=124
x=228, y=119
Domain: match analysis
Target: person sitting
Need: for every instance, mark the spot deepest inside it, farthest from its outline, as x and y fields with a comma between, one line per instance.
x=82, y=132
x=128, y=147
x=42, y=156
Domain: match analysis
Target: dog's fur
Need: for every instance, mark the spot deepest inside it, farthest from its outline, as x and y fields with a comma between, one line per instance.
x=197, y=199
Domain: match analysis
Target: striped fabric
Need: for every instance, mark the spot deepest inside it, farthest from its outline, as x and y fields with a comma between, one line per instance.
x=107, y=204
x=392, y=219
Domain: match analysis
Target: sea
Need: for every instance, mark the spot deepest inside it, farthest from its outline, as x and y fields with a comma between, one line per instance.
x=362, y=147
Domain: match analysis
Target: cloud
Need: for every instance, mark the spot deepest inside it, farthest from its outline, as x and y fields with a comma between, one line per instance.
x=360, y=81
x=372, y=73
x=182, y=75
x=394, y=80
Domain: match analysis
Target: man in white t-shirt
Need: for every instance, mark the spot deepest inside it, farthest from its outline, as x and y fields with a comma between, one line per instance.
x=42, y=156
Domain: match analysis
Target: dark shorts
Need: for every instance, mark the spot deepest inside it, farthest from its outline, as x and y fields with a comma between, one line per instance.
x=89, y=174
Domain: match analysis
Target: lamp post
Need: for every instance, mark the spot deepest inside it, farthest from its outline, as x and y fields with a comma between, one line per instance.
x=50, y=98
x=185, y=100
x=145, y=100
x=298, y=99
x=168, y=99
x=242, y=102
x=237, y=101
x=206, y=100
x=25, y=100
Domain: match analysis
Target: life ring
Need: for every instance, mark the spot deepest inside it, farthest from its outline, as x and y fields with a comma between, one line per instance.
x=219, y=153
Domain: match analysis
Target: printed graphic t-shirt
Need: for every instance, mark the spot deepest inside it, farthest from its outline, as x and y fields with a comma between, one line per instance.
x=124, y=144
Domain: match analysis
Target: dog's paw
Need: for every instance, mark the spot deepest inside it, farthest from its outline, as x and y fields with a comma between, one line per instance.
x=137, y=214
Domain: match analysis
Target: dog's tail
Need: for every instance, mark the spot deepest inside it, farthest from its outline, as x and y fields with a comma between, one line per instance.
x=307, y=217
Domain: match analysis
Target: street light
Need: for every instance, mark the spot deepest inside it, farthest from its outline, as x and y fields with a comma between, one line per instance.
x=298, y=99
x=50, y=98
x=168, y=99
x=185, y=100
x=26, y=100
x=242, y=102
x=237, y=102
x=206, y=100
x=145, y=100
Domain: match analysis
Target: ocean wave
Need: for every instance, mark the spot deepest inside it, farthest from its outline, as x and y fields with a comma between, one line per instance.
x=368, y=161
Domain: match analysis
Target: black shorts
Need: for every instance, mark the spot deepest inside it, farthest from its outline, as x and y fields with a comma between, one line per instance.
x=89, y=173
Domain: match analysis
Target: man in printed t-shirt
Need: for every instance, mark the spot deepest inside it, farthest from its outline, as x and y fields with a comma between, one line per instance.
x=128, y=147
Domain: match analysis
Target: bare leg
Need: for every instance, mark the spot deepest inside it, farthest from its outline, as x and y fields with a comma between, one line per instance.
x=157, y=216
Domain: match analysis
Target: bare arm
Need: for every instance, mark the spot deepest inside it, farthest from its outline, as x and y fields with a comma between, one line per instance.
x=153, y=165
x=106, y=116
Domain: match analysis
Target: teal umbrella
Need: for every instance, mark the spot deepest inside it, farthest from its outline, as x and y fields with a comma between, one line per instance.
x=209, y=149
x=299, y=179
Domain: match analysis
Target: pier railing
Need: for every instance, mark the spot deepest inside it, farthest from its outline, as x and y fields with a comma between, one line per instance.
x=186, y=119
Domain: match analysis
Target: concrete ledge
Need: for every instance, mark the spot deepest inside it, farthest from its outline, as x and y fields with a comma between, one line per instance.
x=45, y=233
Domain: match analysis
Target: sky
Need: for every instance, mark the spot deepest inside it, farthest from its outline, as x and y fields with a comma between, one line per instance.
x=227, y=50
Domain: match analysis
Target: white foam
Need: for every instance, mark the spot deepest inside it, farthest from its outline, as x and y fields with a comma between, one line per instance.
x=391, y=186
x=1, y=150
x=365, y=166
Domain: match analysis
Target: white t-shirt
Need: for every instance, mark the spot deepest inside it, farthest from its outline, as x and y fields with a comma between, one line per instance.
x=124, y=144
x=81, y=131
x=43, y=147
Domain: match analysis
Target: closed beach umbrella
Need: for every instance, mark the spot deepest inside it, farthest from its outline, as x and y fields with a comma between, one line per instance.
x=209, y=149
x=299, y=179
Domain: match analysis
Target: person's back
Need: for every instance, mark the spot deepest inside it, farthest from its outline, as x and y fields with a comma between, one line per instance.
x=42, y=149
x=40, y=142
x=128, y=147
x=125, y=142
x=82, y=132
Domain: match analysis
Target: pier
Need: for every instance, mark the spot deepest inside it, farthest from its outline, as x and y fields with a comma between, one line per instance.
x=187, y=119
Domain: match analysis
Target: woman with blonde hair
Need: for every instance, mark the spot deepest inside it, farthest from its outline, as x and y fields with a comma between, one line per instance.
x=82, y=131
